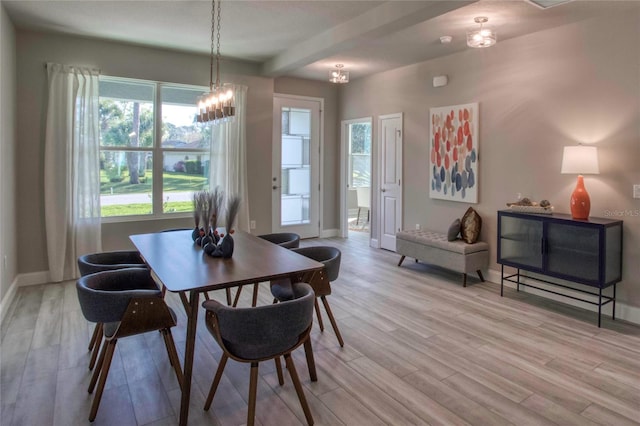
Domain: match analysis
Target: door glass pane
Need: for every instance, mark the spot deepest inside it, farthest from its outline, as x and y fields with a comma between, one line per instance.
x=295, y=167
x=360, y=155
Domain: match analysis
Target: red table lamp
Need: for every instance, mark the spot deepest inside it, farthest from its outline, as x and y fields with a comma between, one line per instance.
x=580, y=160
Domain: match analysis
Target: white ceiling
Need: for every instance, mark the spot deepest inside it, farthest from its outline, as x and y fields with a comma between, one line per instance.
x=303, y=38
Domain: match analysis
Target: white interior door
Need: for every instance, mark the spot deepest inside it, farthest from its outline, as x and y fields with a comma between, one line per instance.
x=295, y=180
x=390, y=196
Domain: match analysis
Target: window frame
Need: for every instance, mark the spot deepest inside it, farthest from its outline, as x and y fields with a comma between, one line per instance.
x=157, y=152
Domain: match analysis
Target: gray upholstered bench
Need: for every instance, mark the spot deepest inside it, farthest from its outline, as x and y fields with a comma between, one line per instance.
x=433, y=248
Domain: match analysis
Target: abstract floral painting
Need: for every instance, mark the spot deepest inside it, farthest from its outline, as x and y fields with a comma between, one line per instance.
x=453, y=153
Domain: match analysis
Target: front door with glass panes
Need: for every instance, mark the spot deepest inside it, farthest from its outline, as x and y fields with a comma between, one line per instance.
x=295, y=182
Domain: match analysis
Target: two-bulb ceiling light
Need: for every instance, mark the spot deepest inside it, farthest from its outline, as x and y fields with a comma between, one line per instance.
x=483, y=36
x=338, y=75
x=218, y=105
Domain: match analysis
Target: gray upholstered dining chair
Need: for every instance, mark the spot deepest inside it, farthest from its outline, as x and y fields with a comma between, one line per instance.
x=320, y=281
x=127, y=302
x=106, y=261
x=256, y=334
x=288, y=240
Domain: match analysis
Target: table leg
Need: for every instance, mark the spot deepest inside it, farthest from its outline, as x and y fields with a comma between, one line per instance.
x=192, y=321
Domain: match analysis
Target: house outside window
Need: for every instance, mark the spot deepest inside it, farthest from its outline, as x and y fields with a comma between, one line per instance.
x=153, y=156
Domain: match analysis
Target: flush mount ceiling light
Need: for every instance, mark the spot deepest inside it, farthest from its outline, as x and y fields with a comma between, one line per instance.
x=218, y=105
x=483, y=36
x=338, y=75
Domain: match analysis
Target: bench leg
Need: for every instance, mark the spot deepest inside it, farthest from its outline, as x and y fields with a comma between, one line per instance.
x=401, y=260
x=480, y=275
x=464, y=280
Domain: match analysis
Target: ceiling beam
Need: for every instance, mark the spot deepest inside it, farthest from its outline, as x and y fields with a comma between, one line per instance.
x=388, y=18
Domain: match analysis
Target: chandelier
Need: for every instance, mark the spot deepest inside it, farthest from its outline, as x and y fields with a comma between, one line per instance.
x=339, y=76
x=481, y=37
x=218, y=105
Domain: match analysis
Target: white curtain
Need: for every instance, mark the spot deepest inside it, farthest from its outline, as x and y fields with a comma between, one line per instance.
x=71, y=168
x=229, y=157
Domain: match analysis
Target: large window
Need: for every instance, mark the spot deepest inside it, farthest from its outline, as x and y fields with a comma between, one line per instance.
x=153, y=156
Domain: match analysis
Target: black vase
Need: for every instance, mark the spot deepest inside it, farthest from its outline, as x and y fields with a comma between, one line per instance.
x=226, y=246
x=195, y=234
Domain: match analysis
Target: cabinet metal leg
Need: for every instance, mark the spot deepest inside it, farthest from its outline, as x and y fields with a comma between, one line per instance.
x=501, y=280
x=518, y=281
x=613, y=312
x=599, y=305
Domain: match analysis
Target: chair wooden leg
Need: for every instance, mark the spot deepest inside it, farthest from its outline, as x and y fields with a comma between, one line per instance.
x=96, y=330
x=173, y=355
x=110, y=349
x=96, y=346
x=279, y=371
x=317, y=308
x=480, y=275
x=98, y=368
x=254, y=301
x=228, y=293
x=216, y=381
x=253, y=388
x=235, y=301
x=296, y=383
x=332, y=320
x=311, y=363
x=401, y=260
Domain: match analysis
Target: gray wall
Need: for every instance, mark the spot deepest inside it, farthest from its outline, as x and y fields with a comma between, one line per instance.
x=537, y=93
x=35, y=49
x=7, y=153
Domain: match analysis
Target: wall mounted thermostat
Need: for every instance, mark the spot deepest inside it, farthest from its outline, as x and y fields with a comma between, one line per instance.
x=440, y=80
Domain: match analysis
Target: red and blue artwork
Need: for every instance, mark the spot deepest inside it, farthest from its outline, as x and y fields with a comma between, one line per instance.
x=453, y=153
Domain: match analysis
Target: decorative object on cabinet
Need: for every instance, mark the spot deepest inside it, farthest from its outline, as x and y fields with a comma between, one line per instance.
x=580, y=160
x=453, y=153
x=527, y=206
x=583, y=252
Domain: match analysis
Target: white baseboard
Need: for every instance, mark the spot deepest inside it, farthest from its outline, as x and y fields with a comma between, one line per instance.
x=33, y=278
x=374, y=243
x=623, y=311
x=7, y=300
x=21, y=280
x=329, y=233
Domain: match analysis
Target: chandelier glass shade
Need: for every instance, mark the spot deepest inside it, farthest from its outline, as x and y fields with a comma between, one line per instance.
x=483, y=36
x=218, y=105
x=339, y=76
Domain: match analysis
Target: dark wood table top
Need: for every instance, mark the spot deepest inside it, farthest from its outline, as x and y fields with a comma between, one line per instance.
x=181, y=265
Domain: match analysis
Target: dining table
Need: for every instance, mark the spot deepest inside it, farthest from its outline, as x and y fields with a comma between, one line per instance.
x=182, y=267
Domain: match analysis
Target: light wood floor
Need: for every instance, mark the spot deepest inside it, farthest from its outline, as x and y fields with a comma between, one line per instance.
x=420, y=349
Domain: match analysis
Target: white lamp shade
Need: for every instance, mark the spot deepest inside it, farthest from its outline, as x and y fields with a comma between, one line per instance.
x=580, y=160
